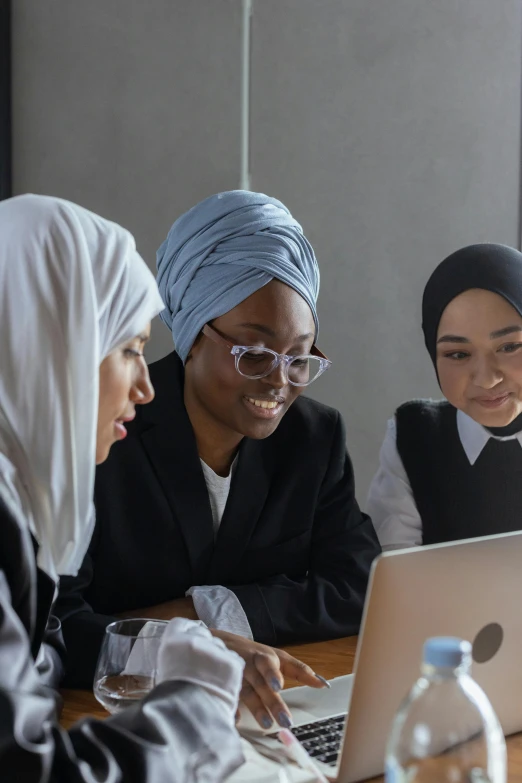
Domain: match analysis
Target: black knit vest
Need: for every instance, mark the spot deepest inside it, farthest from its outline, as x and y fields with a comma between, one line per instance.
x=455, y=499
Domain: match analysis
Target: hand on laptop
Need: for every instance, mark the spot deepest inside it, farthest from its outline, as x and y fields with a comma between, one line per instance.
x=265, y=671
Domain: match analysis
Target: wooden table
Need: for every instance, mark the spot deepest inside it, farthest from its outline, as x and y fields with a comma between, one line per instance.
x=331, y=659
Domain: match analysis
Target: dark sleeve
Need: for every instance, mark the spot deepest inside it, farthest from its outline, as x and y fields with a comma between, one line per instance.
x=50, y=662
x=179, y=733
x=83, y=629
x=48, y=646
x=327, y=603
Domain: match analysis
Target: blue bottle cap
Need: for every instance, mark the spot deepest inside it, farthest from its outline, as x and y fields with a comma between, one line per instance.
x=446, y=651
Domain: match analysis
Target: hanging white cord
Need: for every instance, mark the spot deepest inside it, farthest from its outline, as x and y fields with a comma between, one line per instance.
x=244, y=174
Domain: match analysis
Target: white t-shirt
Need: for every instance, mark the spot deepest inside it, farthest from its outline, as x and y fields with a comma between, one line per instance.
x=216, y=605
x=218, y=490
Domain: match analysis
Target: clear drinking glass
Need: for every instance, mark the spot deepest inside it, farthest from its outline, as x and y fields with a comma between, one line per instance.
x=126, y=668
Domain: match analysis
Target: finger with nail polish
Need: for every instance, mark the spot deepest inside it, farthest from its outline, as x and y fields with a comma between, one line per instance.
x=284, y=720
x=322, y=679
x=265, y=721
x=276, y=685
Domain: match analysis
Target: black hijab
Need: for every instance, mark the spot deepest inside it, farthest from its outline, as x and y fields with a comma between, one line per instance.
x=496, y=268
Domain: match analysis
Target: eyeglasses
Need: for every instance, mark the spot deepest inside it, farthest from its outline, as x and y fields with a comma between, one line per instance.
x=254, y=362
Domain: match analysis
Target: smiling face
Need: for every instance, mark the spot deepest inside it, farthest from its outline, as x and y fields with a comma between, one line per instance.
x=216, y=395
x=479, y=357
x=124, y=383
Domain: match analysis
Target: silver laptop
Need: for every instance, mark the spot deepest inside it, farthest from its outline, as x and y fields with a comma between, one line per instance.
x=471, y=589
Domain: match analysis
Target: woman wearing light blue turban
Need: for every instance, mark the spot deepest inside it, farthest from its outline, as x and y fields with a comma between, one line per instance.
x=232, y=499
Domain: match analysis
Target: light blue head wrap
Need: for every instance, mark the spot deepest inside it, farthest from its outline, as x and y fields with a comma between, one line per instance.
x=225, y=249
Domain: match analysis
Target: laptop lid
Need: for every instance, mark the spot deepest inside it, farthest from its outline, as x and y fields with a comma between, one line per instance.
x=471, y=589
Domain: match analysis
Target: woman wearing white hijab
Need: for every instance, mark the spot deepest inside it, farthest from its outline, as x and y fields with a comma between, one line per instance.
x=76, y=304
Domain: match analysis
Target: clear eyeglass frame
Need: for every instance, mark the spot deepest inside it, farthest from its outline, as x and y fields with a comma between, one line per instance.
x=279, y=358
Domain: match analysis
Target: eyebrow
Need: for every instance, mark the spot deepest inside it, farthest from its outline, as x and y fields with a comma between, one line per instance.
x=454, y=338
x=506, y=330
x=144, y=338
x=270, y=332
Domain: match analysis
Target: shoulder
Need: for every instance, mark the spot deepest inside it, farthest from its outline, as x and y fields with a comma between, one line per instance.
x=166, y=376
x=424, y=412
x=16, y=547
x=11, y=536
x=423, y=427
x=166, y=370
x=314, y=418
x=313, y=437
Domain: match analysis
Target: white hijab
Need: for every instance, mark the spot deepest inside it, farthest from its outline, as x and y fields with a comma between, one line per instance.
x=72, y=289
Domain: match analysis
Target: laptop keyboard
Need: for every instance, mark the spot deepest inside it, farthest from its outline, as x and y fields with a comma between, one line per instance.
x=322, y=738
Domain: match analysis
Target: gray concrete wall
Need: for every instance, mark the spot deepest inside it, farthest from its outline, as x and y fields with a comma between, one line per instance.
x=130, y=108
x=391, y=129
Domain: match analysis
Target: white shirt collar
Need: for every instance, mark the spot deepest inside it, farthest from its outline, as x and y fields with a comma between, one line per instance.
x=474, y=436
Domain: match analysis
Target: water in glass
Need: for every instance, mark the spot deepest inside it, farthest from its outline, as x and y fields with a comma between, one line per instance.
x=126, y=668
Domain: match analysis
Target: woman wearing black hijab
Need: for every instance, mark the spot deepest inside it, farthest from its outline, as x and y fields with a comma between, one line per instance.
x=452, y=469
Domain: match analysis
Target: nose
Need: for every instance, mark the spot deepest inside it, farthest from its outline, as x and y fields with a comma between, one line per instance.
x=142, y=391
x=486, y=373
x=278, y=378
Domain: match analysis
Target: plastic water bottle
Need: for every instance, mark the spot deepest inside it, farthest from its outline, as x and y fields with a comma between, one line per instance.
x=446, y=730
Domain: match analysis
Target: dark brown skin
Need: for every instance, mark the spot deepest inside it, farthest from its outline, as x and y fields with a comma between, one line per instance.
x=215, y=392
x=215, y=401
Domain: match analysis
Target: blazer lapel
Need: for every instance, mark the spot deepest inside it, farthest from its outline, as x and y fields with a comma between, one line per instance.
x=248, y=492
x=169, y=441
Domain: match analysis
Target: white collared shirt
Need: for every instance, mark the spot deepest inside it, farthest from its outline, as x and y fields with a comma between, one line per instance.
x=390, y=503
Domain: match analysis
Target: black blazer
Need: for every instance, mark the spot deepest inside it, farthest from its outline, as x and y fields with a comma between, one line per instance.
x=161, y=740
x=293, y=545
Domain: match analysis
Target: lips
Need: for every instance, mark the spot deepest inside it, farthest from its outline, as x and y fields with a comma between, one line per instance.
x=493, y=402
x=266, y=404
x=120, y=430
x=119, y=426
x=265, y=408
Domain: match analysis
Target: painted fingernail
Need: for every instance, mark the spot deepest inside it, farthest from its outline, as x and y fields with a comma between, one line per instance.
x=322, y=679
x=266, y=722
x=276, y=685
x=284, y=720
